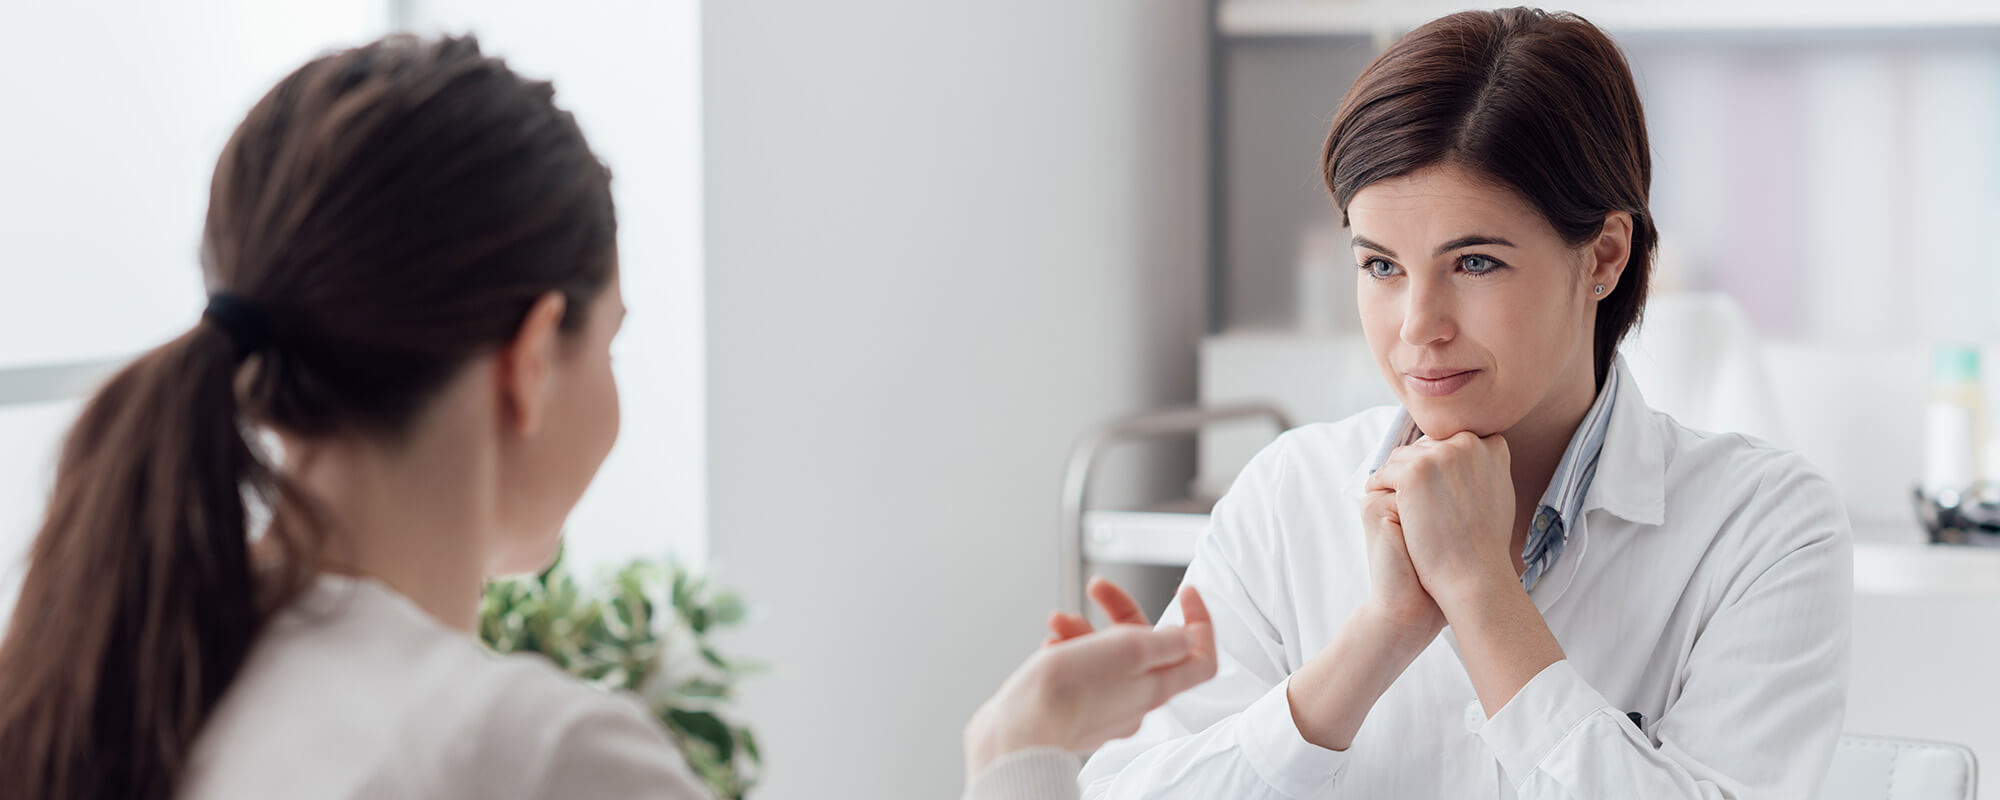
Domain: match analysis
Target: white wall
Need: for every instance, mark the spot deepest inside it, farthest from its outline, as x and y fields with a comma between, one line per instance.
x=943, y=239
x=115, y=113
x=629, y=70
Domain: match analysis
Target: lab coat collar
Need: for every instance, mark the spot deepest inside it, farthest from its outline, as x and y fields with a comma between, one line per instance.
x=1632, y=470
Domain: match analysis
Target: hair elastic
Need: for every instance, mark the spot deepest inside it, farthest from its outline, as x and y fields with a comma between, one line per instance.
x=240, y=320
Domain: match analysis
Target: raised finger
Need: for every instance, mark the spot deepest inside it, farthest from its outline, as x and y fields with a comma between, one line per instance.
x=1067, y=626
x=1193, y=608
x=1118, y=606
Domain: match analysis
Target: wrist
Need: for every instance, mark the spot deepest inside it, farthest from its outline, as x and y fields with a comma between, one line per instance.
x=987, y=738
x=1486, y=589
x=1394, y=630
x=1331, y=694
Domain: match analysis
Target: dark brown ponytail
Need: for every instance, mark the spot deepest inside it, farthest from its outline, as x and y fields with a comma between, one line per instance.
x=146, y=550
x=381, y=217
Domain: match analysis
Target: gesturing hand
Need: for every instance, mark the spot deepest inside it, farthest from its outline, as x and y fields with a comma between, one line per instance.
x=1084, y=688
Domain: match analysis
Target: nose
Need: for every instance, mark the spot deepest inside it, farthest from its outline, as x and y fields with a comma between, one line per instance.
x=1428, y=313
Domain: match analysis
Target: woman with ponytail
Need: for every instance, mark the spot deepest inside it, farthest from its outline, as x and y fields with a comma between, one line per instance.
x=414, y=285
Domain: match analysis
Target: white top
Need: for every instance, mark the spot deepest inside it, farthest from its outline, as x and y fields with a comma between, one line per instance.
x=1706, y=586
x=354, y=692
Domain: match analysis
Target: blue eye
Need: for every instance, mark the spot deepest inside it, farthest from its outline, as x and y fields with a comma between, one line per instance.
x=1476, y=264
x=1380, y=268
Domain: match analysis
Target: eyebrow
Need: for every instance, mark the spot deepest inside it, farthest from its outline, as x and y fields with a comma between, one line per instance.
x=1460, y=242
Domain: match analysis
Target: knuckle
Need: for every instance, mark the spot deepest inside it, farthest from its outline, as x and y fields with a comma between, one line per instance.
x=1050, y=686
x=1131, y=644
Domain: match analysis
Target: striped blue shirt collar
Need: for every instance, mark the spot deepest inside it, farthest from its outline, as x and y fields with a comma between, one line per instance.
x=1549, y=531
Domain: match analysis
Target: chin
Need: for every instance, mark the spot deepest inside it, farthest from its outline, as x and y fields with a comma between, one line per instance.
x=1443, y=420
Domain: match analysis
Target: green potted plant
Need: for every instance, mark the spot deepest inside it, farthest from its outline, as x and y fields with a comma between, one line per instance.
x=611, y=634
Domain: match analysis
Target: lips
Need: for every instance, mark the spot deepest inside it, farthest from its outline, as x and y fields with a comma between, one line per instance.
x=1438, y=381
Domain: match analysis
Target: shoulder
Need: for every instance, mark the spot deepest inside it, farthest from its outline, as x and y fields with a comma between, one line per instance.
x=1326, y=449
x=1764, y=502
x=346, y=664
x=1305, y=481
x=1739, y=466
x=567, y=738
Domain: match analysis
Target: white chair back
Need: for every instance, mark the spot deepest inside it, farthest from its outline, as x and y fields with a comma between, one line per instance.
x=1880, y=768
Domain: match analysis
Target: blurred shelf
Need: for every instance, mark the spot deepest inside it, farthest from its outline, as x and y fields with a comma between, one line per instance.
x=48, y=383
x=1882, y=566
x=1160, y=538
x=1926, y=570
x=1338, y=18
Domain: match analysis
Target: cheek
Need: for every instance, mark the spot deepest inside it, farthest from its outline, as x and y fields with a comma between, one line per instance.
x=614, y=408
x=1381, y=315
x=607, y=409
x=1531, y=335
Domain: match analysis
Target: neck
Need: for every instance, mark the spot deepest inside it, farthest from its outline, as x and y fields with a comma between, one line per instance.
x=406, y=516
x=1535, y=446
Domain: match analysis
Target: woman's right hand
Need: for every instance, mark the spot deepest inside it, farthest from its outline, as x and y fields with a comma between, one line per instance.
x=1084, y=688
x=1395, y=596
x=1331, y=694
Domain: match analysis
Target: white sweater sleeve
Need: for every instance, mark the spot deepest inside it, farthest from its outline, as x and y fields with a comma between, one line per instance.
x=1234, y=735
x=611, y=748
x=1043, y=773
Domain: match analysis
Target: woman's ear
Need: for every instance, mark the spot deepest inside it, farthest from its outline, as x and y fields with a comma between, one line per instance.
x=1609, y=253
x=526, y=365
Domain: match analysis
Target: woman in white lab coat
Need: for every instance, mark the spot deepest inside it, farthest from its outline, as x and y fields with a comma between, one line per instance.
x=1522, y=581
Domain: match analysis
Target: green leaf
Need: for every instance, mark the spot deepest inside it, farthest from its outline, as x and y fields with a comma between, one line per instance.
x=603, y=631
x=705, y=727
x=700, y=688
x=727, y=609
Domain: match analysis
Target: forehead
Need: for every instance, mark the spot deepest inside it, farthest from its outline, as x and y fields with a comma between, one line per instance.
x=1439, y=203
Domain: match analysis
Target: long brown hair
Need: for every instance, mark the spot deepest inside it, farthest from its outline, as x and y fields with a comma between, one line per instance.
x=1542, y=103
x=381, y=217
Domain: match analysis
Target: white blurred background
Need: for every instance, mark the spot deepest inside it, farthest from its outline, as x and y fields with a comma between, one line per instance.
x=889, y=259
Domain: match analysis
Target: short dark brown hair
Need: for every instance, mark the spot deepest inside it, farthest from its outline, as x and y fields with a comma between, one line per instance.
x=1541, y=103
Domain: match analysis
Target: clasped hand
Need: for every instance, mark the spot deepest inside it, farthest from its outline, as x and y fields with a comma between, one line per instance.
x=1439, y=519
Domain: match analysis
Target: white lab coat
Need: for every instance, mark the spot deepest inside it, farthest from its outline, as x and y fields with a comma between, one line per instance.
x=1707, y=585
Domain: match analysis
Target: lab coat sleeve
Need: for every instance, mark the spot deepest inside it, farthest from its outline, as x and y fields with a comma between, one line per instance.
x=1232, y=736
x=1763, y=693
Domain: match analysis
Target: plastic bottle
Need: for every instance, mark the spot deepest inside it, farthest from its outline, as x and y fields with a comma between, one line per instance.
x=1952, y=425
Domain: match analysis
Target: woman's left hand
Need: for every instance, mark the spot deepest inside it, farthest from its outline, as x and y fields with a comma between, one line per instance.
x=1456, y=501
